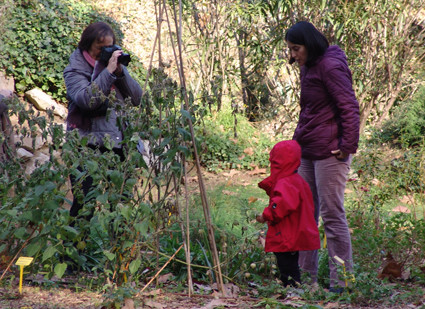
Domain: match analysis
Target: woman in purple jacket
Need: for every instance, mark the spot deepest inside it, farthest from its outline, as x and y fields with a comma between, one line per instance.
x=328, y=133
x=86, y=79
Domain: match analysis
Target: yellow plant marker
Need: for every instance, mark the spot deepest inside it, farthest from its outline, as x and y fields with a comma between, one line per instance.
x=324, y=242
x=343, y=269
x=22, y=262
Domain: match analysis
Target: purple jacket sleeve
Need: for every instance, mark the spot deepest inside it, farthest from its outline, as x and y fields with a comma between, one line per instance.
x=338, y=82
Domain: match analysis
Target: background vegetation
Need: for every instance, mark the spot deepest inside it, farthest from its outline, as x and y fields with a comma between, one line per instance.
x=243, y=97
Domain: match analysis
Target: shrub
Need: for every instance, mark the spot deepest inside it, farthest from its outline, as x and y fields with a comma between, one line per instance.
x=224, y=147
x=407, y=124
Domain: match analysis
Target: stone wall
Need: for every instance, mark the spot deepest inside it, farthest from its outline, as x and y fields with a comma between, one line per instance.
x=37, y=153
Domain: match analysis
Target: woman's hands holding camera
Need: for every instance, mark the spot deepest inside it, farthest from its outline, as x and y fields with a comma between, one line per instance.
x=113, y=66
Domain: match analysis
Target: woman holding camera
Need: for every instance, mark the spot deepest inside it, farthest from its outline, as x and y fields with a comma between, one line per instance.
x=88, y=83
x=328, y=133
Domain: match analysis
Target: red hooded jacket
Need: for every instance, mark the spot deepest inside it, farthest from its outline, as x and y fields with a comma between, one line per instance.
x=290, y=214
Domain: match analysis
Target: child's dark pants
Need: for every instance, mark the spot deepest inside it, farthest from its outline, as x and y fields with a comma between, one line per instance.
x=288, y=267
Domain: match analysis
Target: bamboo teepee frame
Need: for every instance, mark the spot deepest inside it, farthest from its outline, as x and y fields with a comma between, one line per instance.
x=161, y=11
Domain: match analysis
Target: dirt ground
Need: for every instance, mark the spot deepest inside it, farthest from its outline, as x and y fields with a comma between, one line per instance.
x=36, y=298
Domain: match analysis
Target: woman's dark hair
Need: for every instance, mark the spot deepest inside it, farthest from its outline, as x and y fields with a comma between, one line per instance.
x=304, y=33
x=95, y=32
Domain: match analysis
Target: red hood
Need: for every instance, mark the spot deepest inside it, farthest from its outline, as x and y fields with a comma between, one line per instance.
x=285, y=158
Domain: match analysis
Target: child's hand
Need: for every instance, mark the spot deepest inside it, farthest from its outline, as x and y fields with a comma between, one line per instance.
x=260, y=219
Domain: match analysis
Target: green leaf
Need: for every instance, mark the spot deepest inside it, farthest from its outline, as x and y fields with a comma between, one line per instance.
x=142, y=227
x=2, y=247
x=116, y=178
x=12, y=212
x=109, y=255
x=126, y=212
x=70, y=230
x=156, y=133
x=50, y=251
x=134, y=266
x=131, y=182
x=92, y=166
x=186, y=114
x=103, y=198
x=60, y=269
x=33, y=248
x=20, y=233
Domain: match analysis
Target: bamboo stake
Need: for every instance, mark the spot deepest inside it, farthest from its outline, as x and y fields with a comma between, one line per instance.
x=162, y=268
x=185, y=233
x=203, y=194
x=189, y=267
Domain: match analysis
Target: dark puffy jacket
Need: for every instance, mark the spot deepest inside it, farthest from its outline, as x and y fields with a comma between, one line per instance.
x=87, y=112
x=329, y=116
x=290, y=214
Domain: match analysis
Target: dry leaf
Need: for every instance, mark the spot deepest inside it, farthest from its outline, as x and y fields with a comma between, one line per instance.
x=192, y=179
x=231, y=173
x=128, y=304
x=249, y=151
x=407, y=199
x=252, y=199
x=231, y=290
x=153, y=304
x=332, y=305
x=391, y=268
x=214, y=304
x=262, y=241
x=227, y=192
x=164, y=278
x=152, y=293
x=202, y=287
x=401, y=209
x=348, y=191
x=257, y=171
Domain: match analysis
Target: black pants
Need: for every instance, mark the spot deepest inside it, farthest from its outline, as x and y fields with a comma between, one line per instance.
x=288, y=267
x=87, y=184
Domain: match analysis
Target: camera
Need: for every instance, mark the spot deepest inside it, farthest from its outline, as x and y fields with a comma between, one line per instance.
x=106, y=54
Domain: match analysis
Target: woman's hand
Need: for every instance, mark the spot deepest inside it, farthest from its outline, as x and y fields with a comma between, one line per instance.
x=339, y=154
x=113, y=66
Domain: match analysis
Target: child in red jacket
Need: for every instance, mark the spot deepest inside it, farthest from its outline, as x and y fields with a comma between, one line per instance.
x=290, y=214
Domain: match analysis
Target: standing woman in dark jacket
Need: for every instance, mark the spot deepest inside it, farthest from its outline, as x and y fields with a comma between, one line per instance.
x=328, y=133
x=88, y=81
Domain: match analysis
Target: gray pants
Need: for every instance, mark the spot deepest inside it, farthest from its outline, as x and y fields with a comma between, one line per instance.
x=327, y=179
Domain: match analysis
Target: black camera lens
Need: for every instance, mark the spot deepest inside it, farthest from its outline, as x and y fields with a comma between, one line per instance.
x=106, y=54
x=124, y=59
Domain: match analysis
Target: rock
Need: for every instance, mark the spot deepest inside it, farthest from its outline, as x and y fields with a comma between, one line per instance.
x=38, y=159
x=7, y=84
x=27, y=142
x=43, y=101
x=24, y=154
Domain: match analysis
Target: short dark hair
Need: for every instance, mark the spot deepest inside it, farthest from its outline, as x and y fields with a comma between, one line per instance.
x=304, y=33
x=95, y=32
